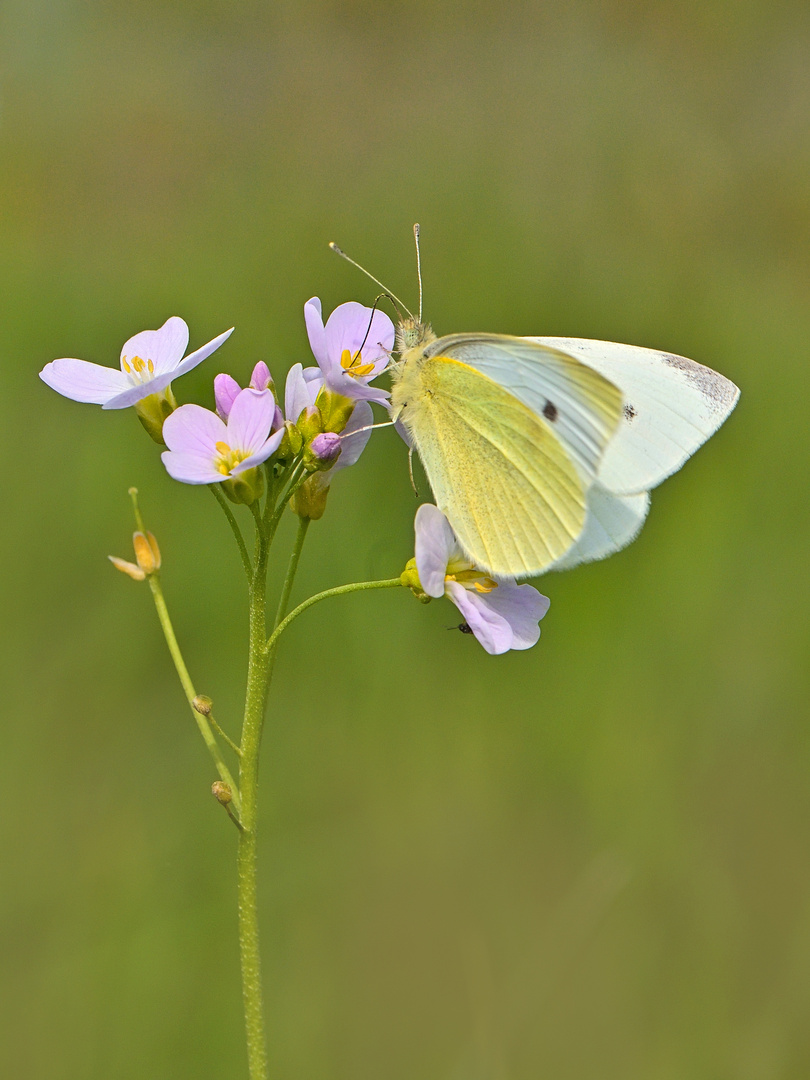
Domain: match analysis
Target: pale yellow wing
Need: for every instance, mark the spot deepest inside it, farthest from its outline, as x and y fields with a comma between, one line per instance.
x=511, y=492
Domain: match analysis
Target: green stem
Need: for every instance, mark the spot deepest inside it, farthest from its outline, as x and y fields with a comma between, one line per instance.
x=292, y=567
x=237, y=532
x=340, y=590
x=188, y=688
x=255, y=701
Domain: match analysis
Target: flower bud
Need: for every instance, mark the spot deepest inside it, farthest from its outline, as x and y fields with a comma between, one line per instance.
x=310, y=423
x=147, y=552
x=246, y=487
x=261, y=379
x=153, y=410
x=222, y=792
x=226, y=389
x=128, y=568
x=410, y=579
x=203, y=704
x=291, y=443
x=335, y=409
x=322, y=452
x=310, y=499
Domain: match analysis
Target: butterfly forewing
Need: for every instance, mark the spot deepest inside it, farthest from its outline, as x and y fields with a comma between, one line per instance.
x=510, y=490
x=580, y=405
x=671, y=406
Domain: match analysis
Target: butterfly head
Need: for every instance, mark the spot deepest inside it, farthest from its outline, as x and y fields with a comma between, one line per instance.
x=411, y=334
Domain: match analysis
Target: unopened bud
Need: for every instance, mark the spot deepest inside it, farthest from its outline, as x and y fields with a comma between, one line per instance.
x=310, y=499
x=128, y=568
x=310, y=423
x=322, y=452
x=147, y=552
x=261, y=379
x=203, y=704
x=291, y=443
x=410, y=579
x=335, y=409
x=222, y=792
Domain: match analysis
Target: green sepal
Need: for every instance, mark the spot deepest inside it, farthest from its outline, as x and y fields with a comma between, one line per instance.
x=153, y=410
x=246, y=487
x=410, y=579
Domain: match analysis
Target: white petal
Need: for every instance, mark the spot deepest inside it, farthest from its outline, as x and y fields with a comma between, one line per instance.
x=80, y=380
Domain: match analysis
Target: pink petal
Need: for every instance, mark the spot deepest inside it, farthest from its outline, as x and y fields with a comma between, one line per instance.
x=351, y=326
x=225, y=390
x=202, y=353
x=261, y=377
x=250, y=420
x=492, y=630
x=80, y=380
x=315, y=330
x=164, y=347
x=352, y=445
x=190, y=468
x=191, y=429
x=300, y=392
x=262, y=454
x=435, y=544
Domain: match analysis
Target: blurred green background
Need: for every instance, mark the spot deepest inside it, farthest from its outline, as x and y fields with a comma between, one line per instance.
x=588, y=860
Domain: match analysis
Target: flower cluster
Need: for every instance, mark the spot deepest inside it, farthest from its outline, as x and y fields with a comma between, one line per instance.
x=321, y=427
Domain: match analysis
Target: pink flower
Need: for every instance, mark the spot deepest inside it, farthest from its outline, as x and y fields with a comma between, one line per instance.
x=352, y=349
x=501, y=614
x=205, y=450
x=149, y=362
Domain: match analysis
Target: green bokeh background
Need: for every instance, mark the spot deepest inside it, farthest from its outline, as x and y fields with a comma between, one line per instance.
x=588, y=860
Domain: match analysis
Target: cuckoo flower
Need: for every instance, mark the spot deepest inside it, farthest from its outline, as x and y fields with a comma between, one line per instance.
x=501, y=614
x=205, y=450
x=353, y=348
x=149, y=362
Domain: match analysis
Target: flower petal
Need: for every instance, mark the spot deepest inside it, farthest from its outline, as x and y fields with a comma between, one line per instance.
x=315, y=330
x=300, y=390
x=352, y=326
x=250, y=420
x=262, y=454
x=492, y=629
x=191, y=429
x=352, y=444
x=190, y=468
x=164, y=347
x=226, y=389
x=80, y=380
x=435, y=543
x=503, y=619
x=202, y=353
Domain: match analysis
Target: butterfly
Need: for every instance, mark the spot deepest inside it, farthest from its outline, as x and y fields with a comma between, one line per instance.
x=541, y=451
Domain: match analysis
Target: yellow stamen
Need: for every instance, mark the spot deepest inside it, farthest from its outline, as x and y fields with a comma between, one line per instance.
x=353, y=365
x=125, y=365
x=151, y=367
x=222, y=448
x=138, y=364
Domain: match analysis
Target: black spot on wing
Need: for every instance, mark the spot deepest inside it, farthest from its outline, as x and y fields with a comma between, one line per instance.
x=550, y=411
x=629, y=413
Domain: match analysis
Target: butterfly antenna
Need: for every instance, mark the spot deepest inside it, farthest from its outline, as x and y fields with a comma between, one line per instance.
x=418, y=267
x=371, y=321
x=362, y=269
